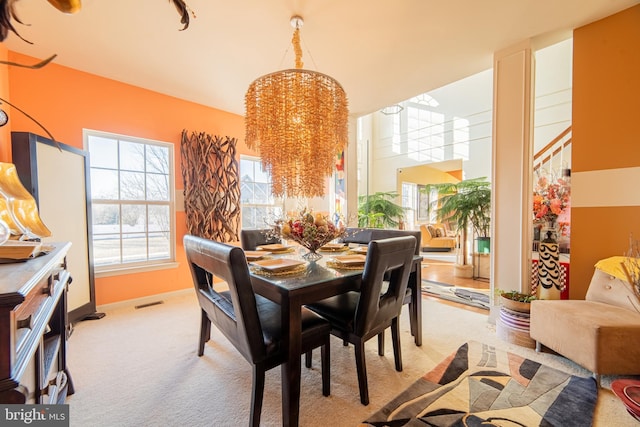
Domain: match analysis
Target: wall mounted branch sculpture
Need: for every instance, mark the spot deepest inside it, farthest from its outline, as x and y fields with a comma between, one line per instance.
x=211, y=186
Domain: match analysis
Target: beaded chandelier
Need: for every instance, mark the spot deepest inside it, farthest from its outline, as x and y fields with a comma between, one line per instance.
x=297, y=120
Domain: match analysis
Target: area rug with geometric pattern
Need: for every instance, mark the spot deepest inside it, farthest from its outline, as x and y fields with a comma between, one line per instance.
x=479, y=385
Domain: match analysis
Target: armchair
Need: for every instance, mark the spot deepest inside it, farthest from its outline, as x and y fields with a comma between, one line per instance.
x=601, y=332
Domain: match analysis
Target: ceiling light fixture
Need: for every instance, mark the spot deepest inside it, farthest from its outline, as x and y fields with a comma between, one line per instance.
x=297, y=120
x=392, y=109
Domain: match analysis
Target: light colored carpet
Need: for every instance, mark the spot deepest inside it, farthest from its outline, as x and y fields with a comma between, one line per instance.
x=139, y=367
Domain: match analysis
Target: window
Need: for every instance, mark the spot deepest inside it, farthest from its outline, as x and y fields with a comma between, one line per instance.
x=258, y=204
x=132, y=181
x=410, y=201
x=425, y=134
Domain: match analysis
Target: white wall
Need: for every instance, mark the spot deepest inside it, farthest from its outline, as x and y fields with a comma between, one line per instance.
x=553, y=86
x=472, y=98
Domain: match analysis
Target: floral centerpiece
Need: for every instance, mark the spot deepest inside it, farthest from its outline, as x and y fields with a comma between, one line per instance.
x=551, y=199
x=311, y=231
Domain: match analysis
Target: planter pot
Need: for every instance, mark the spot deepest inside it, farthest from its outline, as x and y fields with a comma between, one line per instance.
x=484, y=245
x=460, y=270
x=522, y=307
x=513, y=323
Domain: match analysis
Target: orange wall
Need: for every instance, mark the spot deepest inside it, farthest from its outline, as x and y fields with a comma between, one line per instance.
x=5, y=131
x=65, y=101
x=606, y=139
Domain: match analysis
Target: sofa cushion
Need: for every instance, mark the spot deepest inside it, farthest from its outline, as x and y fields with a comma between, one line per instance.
x=612, y=290
x=600, y=337
x=429, y=241
x=614, y=266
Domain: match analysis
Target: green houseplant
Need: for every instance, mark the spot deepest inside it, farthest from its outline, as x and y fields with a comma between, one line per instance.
x=468, y=204
x=379, y=210
x=515, y=300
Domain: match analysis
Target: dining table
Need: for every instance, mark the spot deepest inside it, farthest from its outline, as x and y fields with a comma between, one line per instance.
x=309, y=282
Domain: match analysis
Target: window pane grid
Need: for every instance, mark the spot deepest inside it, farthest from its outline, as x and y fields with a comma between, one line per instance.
x=258, y=203
x=131, y=200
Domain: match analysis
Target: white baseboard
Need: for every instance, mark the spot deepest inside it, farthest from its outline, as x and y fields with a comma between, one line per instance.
x=143, y=300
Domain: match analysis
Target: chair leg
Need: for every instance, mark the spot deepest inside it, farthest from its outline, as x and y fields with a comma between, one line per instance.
x=381, y=344
x=361, y=368
x=412, y=318
x=307, y=359
x=395, y=337
x=257, y=395
x=597, y=377
x=325, y=355
x=205, y=331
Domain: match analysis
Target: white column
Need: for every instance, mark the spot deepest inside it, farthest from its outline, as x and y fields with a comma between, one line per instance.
x=511, y=176
x=351, y=174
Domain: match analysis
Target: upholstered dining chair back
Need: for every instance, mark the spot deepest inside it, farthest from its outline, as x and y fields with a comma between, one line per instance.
x=234, y=311
x=252, y=323
x=356, y=317
x=250, y=239
x=389, y=259
x=364, y=235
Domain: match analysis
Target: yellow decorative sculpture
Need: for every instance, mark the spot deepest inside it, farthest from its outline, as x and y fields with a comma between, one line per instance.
x=66, y=6
x=18, y=208
x=8, y=14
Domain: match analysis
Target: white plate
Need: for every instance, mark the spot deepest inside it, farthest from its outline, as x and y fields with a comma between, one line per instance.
x=277, y=264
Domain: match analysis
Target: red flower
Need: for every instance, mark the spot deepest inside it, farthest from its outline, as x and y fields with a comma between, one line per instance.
x=550, y=199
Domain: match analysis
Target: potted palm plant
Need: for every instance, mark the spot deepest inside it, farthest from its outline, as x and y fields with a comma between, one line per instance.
x=379, y=210
x=468, y=204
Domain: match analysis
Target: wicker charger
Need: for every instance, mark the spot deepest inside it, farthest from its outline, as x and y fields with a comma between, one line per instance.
x=342, y=249
x=288, y=272
x=341, y=266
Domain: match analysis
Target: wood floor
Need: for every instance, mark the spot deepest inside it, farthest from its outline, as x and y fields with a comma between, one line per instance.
x=439, y=270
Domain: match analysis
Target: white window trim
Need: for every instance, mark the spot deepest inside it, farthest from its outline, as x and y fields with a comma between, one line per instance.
x=277, y=202
x=152, y=265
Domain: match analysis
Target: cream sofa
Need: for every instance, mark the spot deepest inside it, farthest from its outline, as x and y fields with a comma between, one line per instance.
x=435, y=237
x=600, y=333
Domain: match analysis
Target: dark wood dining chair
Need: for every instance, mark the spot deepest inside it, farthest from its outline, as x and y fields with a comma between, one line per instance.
x=356, y=317
x=251, y=239
x=250, y=322
x=364, y=236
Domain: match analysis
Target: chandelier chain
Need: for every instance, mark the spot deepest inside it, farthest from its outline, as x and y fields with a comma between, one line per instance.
x=297, y=49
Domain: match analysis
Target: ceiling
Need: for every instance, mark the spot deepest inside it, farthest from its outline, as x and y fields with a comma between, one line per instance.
x=381, y=51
